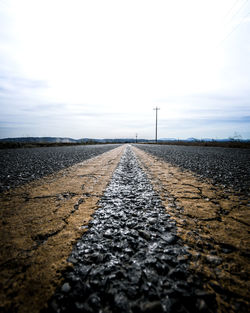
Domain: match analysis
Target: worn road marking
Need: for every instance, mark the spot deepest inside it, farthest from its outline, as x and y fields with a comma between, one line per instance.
x=213, y=221
x=40, y=222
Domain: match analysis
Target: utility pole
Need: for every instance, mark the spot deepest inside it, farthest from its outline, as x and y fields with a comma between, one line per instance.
x=156, y=110
x=136, y=138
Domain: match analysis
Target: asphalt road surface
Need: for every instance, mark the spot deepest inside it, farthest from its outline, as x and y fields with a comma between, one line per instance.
x=151, y=237
x=18, y=166
x=131, y=260
x=226, y=166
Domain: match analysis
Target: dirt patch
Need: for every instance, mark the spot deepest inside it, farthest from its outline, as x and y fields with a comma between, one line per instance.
x=40, y=222
x=214, y=223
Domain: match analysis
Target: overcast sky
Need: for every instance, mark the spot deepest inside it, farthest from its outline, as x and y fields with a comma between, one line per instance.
x=75, y=68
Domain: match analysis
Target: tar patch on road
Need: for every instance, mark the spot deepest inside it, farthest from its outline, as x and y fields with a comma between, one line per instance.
x=130, y=259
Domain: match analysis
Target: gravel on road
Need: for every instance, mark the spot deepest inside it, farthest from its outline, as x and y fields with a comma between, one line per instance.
x=226, y=166
x=19, y=166
x=130, y=259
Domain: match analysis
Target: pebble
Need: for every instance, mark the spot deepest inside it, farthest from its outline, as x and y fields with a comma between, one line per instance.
x=66, y=287
x=214, y=259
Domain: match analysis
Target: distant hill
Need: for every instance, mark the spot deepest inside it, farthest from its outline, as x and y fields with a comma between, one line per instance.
x=52, y=140
x=168, y=139
x=68, y=140
x=39, y=140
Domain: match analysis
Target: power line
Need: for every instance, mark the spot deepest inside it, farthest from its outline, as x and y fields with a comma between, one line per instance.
x=236, y=13
x=231, y=18
x=231, y=8
x=233, y=30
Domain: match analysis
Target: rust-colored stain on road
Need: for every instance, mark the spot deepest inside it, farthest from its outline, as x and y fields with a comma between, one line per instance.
x=212, y=221
x=40, y=222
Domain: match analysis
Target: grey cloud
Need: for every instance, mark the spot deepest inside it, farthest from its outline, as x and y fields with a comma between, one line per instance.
x=223, y=97
x=220, y=119
x=21, y=82
x=45, y=107
x=232, y=96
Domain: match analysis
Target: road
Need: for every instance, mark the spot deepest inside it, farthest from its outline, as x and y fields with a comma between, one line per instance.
x=127, y=231
x=19, y=166
x=131, y=260
x=227, y=166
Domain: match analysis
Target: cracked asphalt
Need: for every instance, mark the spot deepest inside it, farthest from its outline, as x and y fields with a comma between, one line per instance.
x=213, y=221
x=131, y=259
x=19, y=166
x=226, y=166
x=147, y=235
x=40, y=222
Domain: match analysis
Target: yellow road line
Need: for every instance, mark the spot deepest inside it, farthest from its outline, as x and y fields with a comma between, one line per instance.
x=40, y=222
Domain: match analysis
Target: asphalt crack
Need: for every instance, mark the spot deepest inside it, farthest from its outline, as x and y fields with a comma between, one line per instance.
x=219, y=218
x=130, y=259
x=40, y=222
